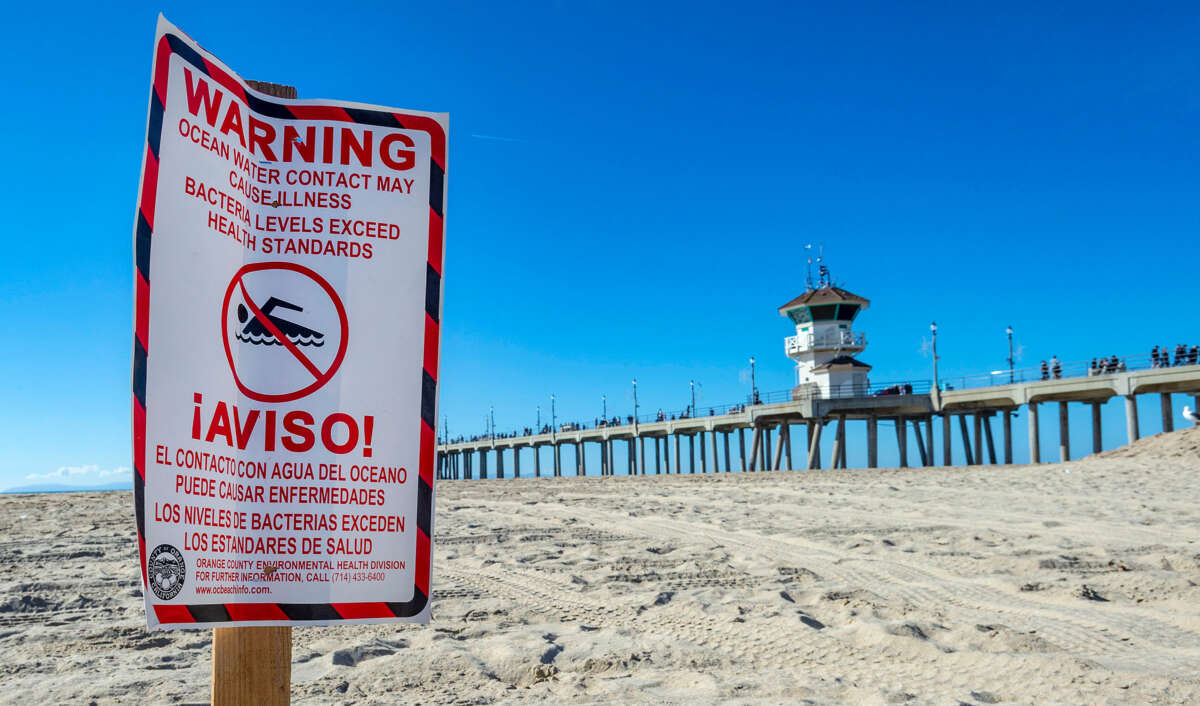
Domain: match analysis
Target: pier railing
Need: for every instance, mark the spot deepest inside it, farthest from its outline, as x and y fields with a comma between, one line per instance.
x=1074, y=369
x=906, y=387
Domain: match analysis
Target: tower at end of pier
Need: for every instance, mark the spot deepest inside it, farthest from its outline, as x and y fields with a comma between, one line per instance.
x=825, y=345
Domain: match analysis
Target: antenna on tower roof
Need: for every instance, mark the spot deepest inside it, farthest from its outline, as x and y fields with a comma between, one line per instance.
x=822, y=270
x=808, y=281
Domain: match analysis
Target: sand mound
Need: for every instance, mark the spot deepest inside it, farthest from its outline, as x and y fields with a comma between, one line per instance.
x=1184, y=443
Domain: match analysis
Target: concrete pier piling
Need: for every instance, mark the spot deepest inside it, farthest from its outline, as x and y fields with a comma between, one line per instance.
x=728, y=465
x=1064, y=434
x=966, y=439
x=947, y=440
x=1097, y=439
x=838, y=460
x=929, y=461
x=1006, y=416
x=872, y=442
x=920, y=442
x=814, y=445
x=716, y=465
x=1168, y=419
x=1131, y=418
x=836, y=457
x=678, y=466
x=987, y=433
x=977, y=421
x=1035, y=448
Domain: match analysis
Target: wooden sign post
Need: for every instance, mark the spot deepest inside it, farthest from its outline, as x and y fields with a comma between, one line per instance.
x=252, y=666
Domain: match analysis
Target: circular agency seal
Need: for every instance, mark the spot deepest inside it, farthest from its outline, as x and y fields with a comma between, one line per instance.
x=166, y=571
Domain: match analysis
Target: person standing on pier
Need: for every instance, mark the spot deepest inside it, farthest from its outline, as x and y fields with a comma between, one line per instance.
x=1154, y=357
x=1045, y=371
x=1056, y=367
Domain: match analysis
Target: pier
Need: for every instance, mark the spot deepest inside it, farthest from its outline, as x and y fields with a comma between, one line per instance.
x=789, y=435
x=787, y=430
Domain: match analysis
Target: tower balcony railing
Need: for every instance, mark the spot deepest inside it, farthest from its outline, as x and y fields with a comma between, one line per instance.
x=830, y=340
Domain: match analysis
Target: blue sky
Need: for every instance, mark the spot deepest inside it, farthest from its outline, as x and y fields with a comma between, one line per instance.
x=631, y=187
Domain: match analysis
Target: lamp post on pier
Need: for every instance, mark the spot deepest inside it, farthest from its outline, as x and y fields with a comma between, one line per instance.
x=753, y=386
x=604, y=402
x=492, y=421
x=1010, y=356
x=692, y=384
x=635, y=406
x=554, y=436
x=937, y=388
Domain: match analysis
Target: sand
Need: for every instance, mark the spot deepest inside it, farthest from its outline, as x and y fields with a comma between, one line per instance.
x=1060, y=583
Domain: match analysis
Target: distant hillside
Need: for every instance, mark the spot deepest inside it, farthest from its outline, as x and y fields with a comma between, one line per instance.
x=60, y=488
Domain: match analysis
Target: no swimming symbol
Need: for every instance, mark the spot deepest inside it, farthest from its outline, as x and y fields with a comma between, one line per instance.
x=285, y=335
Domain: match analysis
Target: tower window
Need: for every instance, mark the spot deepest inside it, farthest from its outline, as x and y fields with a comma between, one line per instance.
x=799, y=315
x=824, y=312
x=847, y=312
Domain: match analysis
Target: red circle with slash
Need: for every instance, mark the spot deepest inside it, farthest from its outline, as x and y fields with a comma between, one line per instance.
x=320, y=377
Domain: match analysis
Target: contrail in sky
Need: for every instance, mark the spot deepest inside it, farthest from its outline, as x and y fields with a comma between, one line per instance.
x=500, y=139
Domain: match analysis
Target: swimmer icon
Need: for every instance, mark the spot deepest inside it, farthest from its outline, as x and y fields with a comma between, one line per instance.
x=256, y=332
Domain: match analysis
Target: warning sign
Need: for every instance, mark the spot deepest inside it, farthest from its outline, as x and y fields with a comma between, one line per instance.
x=286, y=337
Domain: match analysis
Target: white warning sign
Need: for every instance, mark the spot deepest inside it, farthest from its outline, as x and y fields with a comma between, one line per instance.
x=286, y=338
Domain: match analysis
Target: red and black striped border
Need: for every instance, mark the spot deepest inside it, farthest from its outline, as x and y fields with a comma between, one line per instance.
x=143, y=237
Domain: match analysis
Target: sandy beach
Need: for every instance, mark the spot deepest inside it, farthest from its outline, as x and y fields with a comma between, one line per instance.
x=1059, y=583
